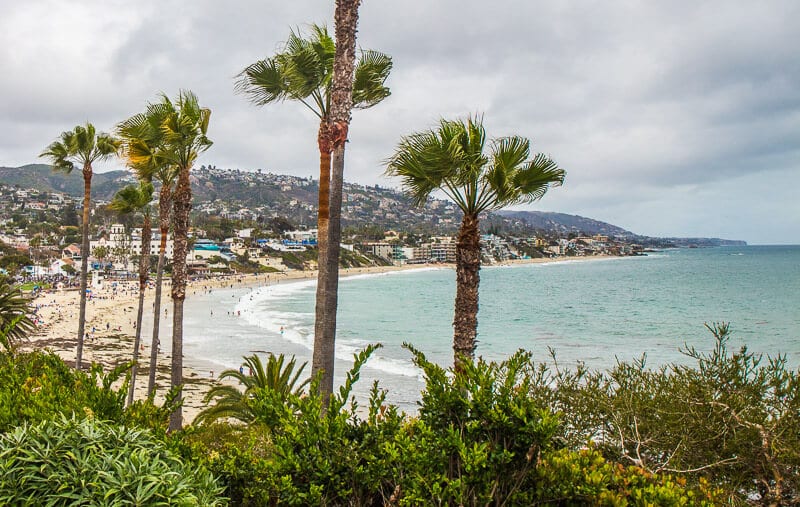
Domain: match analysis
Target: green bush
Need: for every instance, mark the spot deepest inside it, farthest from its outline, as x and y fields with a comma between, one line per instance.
x=306, y=455
x=239, y=456
x=478, y=437
x=577, y=478
x=39, y=385
x=87, y=462
x=731, y=420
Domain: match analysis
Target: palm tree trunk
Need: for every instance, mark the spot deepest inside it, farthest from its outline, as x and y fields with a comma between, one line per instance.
x=144, y=268
x=468, y=265
x=87, y=199
x=322, y=357
x=164, y=201
x=176, y=418
x=331, y=291
x=346, y=20
x=182, y=204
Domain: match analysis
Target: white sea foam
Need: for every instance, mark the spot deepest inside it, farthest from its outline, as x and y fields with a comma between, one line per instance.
x=258, y=308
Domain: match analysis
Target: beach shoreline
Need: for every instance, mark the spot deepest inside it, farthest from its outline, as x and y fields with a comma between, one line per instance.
x=111, y=315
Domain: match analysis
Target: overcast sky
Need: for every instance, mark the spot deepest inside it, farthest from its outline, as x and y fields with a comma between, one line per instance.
x=672, y=118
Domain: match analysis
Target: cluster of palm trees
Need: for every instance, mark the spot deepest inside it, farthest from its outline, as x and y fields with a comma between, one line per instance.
x=161, y=145
x=330, y=79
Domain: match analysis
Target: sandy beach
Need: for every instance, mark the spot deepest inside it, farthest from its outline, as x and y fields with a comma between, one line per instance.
x=110, y=323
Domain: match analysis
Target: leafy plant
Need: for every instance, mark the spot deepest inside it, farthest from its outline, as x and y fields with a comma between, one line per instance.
x=306, y=455
x=38, y=386
x=15, y=321
x=69, y=461
x=731, y=420
x=479, y=435
x=277, y=379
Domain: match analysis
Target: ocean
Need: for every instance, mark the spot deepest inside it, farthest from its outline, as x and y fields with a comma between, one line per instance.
x=591, y=311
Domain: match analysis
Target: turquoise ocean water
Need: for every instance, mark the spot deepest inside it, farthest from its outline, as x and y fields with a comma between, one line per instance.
x=594, y=311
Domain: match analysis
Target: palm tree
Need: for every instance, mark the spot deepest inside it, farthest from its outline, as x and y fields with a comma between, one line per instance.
x=452, y=159
x=145, y=151
x=344, y=93
x=184, y=128
x=304, y=71
x=166, y=176
x=232, y=403
x=81, y=146
x=15, y=321
x=137, y=199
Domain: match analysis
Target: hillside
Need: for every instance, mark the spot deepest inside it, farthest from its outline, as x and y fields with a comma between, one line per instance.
x=565, y=224
x=257, y=196
x=42, y=177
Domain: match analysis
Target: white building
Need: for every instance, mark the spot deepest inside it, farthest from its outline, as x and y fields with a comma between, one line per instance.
x=119, y=243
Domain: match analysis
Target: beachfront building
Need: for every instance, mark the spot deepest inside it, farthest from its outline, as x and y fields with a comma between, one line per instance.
x=308, y=237
x=120, y=243
x=420, y=254
x=72, y=252
x=378, y=249
x=495, y=248
x=443, y=249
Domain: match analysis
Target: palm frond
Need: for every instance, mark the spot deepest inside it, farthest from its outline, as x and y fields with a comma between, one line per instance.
x=80, y=146
x=15, y=313
x=278, y=376
x=452, y=158
x=371, y=72
x=133, y=198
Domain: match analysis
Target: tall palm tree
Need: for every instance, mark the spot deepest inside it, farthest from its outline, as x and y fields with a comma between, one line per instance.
x=452, y=159
x=230, y=402
x=145, y=152
x=137, y=199
x=81, y=146
x=345, y=86
x=185, y=128
x=304, y=71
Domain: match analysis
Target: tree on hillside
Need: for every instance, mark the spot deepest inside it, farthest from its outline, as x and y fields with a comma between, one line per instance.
x=81, y=146
x=304, y=71
x=145, y=152
x=452, y=159
x=129, y=200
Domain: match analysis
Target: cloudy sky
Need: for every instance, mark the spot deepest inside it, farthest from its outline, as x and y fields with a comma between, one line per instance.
x=672, y=118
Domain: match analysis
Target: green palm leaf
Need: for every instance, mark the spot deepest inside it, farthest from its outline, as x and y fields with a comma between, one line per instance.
x=15, y=320
x=279, y=376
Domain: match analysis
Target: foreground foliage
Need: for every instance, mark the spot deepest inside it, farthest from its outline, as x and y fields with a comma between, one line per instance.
x=15, y=320
x=38, y=386
x=479, y=440
x=276, y=378
x=732, y=419
x=725, y=430
x=87, y=462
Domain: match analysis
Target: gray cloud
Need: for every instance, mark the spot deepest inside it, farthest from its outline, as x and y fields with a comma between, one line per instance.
x=672, y=118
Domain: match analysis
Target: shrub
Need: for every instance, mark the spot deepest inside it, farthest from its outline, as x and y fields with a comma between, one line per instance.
x=568, y=478
x=274, y=379
x=731, y=420
x=305, y=455
x=38, y=385
x=478, y=437
x=87, y=462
